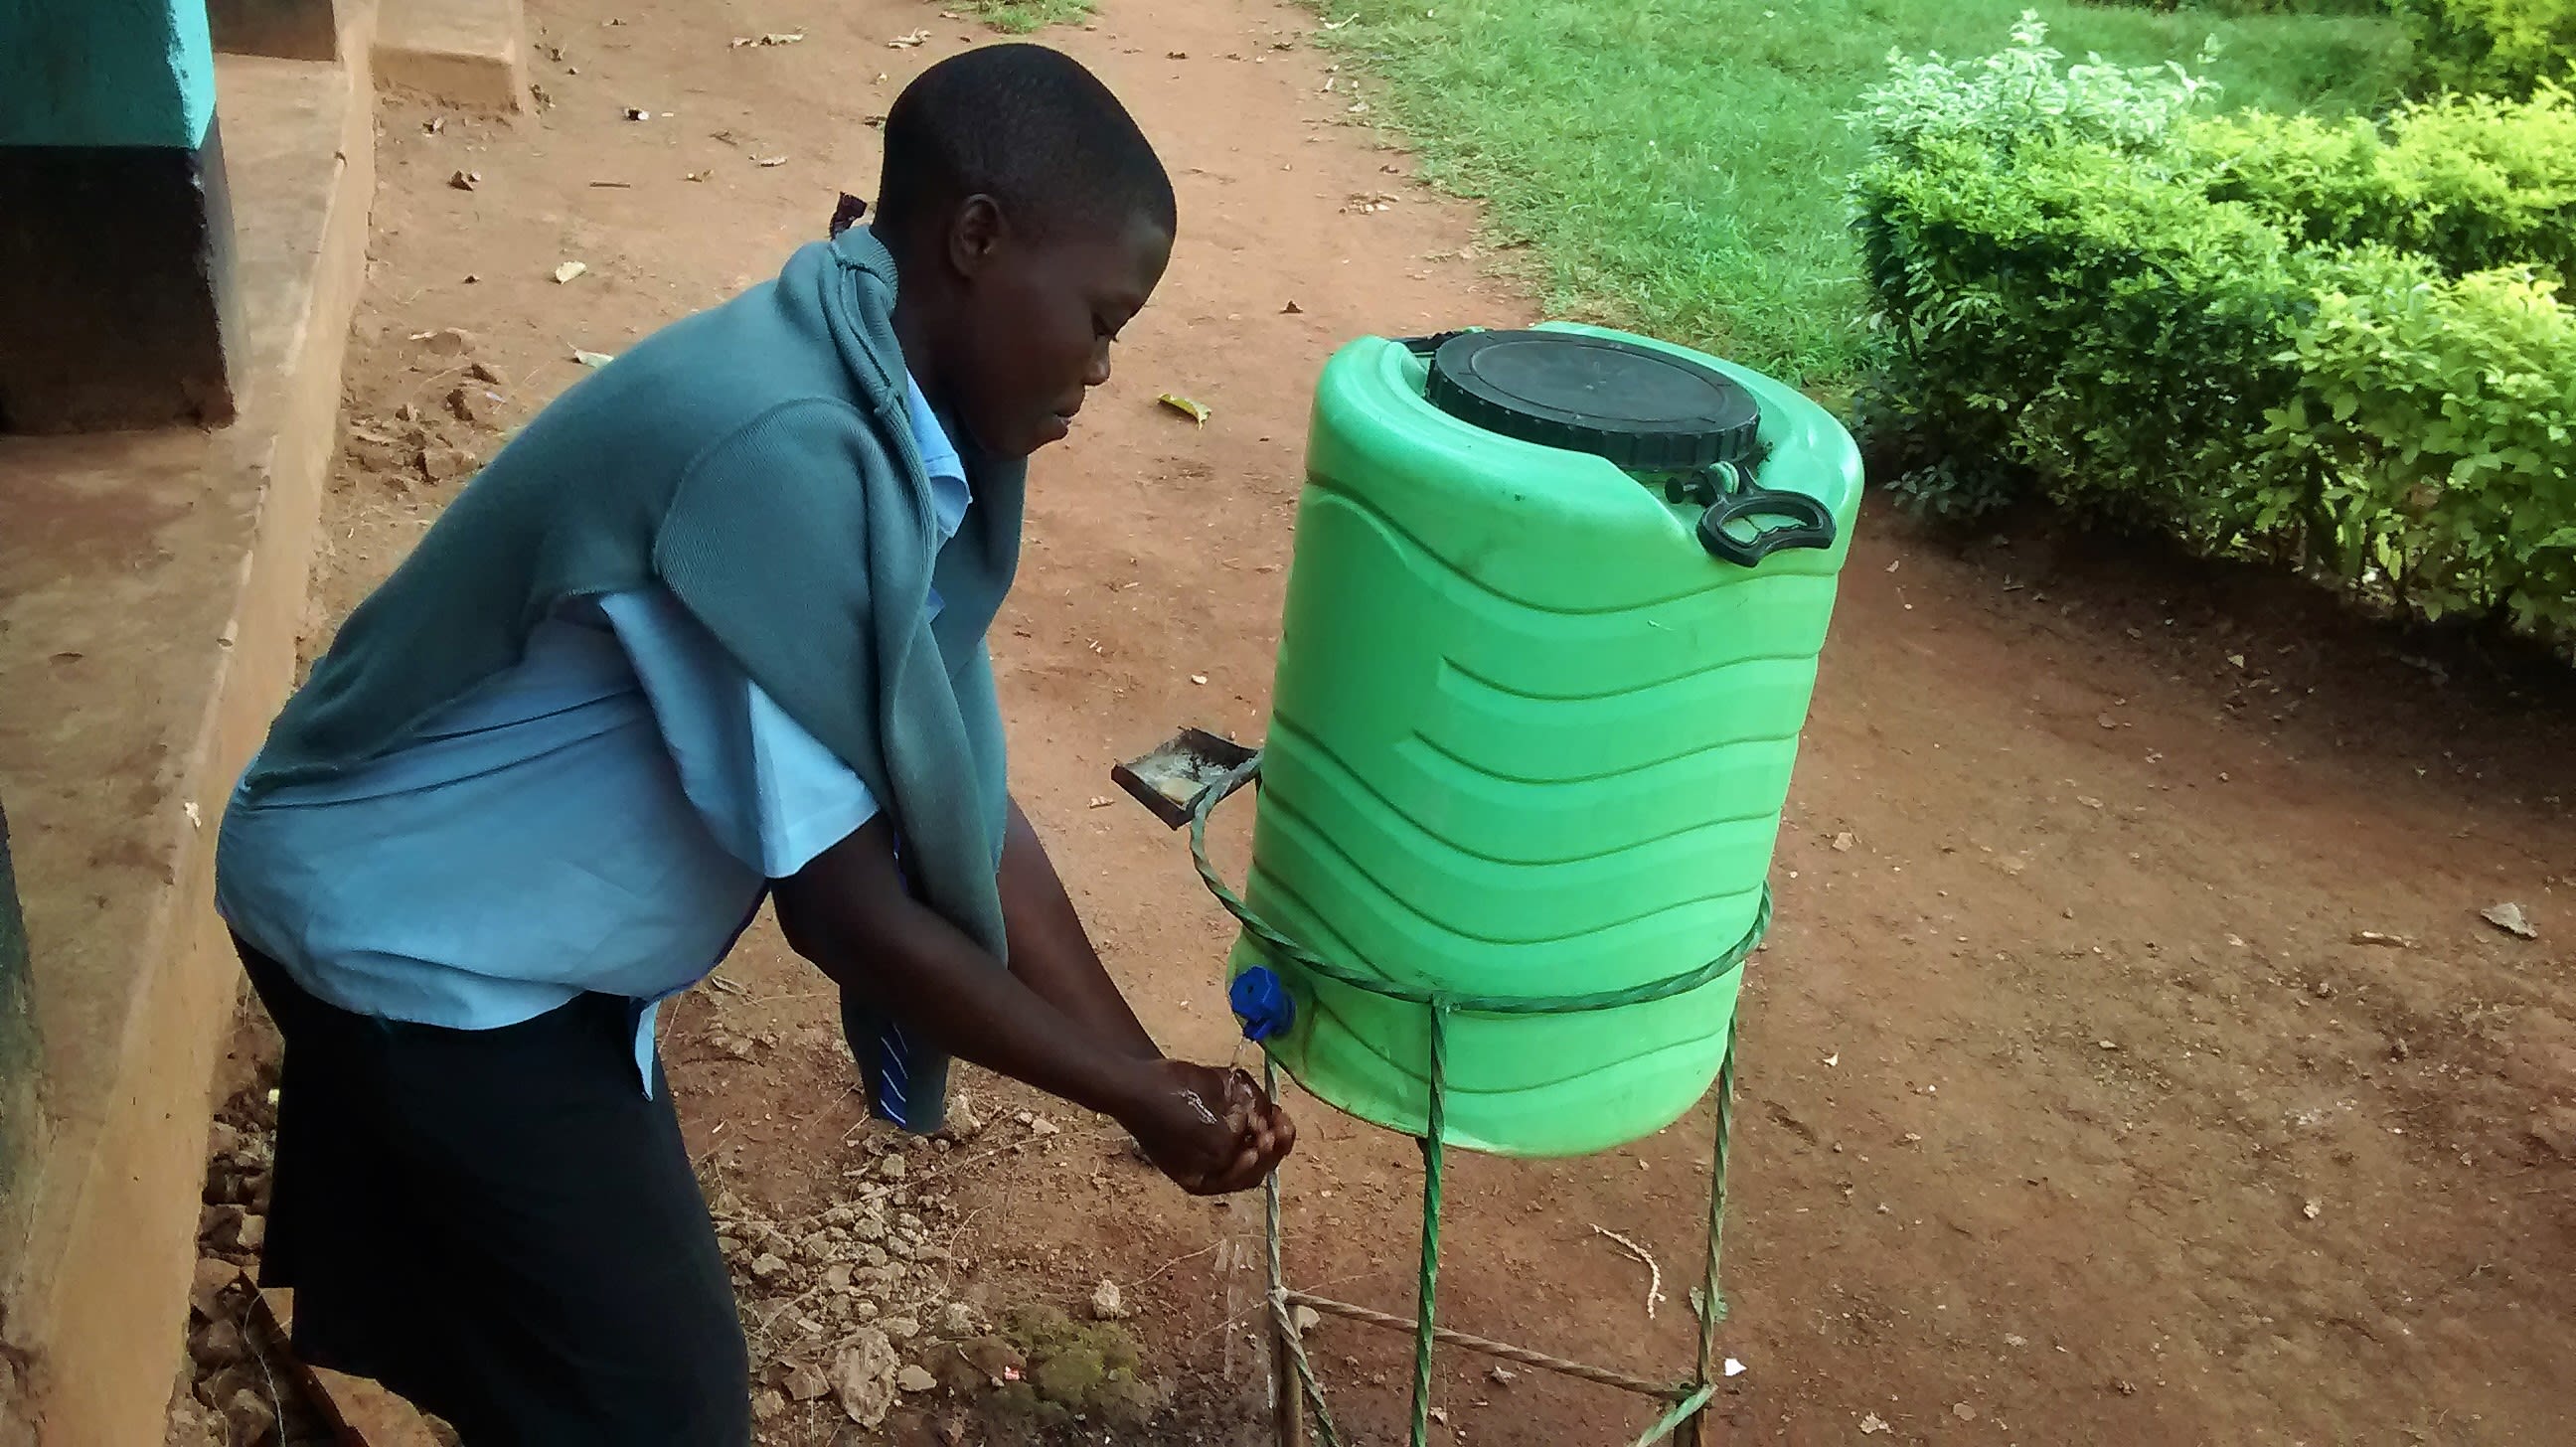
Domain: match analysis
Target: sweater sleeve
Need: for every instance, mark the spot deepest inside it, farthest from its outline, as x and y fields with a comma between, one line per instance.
x=770, y=544
x=976, y=698
x=804, y=544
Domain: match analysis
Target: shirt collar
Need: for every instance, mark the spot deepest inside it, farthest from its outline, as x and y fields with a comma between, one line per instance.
x=938, y=454
x=949, y=495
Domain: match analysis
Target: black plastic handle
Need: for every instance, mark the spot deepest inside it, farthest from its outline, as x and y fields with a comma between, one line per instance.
x=1811, y=524
x=1425, y=346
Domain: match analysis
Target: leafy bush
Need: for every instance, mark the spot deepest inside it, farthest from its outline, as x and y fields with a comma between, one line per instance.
x=2019, y=95
x=2504, y=47
x=2081, y=321
x=2431, y=440
x=2473, y=182
x=2093, y=291
x=2024, y=240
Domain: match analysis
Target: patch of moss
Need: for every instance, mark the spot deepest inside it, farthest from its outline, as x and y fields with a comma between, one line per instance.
x=1019, y=1404
x=1093, y=1369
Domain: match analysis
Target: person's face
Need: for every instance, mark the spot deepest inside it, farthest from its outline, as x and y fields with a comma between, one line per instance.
x=1034, y=320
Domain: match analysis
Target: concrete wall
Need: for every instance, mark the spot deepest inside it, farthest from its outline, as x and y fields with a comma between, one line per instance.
x=164, y=572
x=105, y=73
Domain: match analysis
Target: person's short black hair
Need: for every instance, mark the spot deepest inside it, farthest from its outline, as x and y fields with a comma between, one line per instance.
x=1027, y=126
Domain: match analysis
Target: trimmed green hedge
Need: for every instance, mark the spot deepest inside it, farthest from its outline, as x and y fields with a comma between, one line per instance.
x=2094, y=291
x=2469, y=181
x=2502, y=47
x=2432, y=432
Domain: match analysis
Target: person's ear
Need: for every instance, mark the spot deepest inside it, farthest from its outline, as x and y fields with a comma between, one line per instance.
x=975, y=233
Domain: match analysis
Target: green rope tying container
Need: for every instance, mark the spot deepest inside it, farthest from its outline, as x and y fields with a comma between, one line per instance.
x=1687, y=1398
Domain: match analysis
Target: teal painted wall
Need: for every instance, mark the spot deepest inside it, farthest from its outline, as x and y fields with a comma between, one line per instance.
x=105, y=73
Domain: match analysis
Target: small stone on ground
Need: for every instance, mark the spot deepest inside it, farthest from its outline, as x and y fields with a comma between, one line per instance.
x=1108, y=1303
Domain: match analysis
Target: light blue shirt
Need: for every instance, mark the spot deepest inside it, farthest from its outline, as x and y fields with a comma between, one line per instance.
x=604, y=816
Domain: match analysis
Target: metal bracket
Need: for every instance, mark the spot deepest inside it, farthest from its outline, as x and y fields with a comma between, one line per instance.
x=1174, y=779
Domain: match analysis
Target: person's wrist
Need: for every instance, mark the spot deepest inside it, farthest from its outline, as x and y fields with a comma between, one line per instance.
x=1127, y=1086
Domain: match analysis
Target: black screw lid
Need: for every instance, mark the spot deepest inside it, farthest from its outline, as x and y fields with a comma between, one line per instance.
x=1643, y=410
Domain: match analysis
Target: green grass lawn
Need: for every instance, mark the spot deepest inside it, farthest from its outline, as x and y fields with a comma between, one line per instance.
x=1676, y=166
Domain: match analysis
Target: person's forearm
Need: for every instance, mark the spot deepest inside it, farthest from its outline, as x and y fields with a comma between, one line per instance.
x=971, y=1008
x=1050, y=949
x=849, y=912
x=936, y=980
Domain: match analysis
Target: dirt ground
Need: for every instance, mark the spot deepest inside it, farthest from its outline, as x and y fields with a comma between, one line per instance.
x=2076, y=1104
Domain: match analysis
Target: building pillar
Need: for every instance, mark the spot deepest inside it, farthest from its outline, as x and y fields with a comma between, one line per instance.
x=287, y=29
x=115, y=230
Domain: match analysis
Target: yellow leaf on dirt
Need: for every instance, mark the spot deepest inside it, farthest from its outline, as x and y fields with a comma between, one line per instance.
x=1195, y=411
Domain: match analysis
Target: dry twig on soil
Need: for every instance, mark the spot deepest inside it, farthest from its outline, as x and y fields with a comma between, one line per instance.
x=1655, y=1281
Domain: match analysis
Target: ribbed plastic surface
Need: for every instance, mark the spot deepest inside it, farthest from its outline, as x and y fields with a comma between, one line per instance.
x=1529, y=738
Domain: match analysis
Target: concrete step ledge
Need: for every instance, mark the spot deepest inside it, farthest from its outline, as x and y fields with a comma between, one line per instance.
x=469, y=53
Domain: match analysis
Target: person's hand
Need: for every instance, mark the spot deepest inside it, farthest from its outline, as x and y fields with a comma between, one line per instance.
x=1212, y=1131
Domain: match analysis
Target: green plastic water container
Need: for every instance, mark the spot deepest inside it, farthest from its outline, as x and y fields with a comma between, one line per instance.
x=1551, y=630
